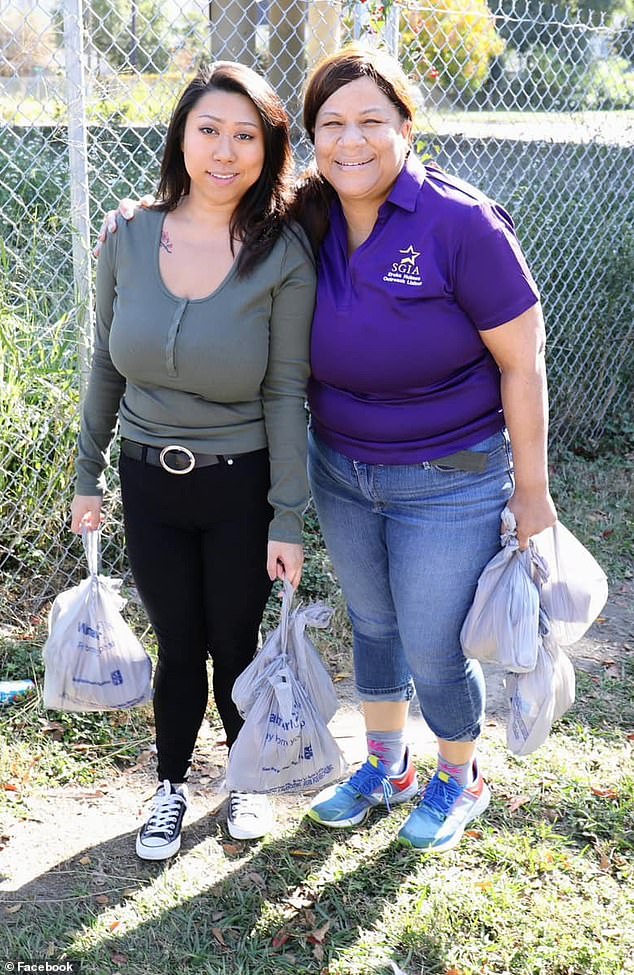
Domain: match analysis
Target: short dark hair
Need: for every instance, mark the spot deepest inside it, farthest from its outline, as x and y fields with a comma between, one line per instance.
x=314, y=196
x=262, y=212
x=350, y=64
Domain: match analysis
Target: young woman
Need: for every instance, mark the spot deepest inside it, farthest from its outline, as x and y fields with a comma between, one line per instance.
x=204, y=305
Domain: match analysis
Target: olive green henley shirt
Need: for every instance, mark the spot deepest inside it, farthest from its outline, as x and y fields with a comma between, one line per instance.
x=224, y=374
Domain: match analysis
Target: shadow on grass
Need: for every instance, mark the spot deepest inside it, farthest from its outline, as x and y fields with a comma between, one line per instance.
x=288, y=904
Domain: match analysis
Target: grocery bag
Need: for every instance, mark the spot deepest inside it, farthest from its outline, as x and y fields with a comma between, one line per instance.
x=502, y=625
x=539, y=698
x=287, y=698
x=284, y=745
x=290, y=638
x=92, y=659
x=576, y=589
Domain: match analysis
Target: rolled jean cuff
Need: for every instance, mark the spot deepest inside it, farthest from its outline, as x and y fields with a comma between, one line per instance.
x=388, y=694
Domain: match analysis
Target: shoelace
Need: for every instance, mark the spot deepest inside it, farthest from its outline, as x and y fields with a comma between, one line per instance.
x=247, y=804
x=166, y=808
x=367, y=780
x=441, y=795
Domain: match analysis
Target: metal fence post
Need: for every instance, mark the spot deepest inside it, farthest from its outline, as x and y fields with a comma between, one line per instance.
x=79, y=195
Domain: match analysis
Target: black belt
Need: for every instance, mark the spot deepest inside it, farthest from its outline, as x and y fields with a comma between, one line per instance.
x=175, y=459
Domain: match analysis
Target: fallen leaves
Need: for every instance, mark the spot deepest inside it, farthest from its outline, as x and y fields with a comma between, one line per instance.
x=54, y=729
x=231, y=849
x=218, y=935
x=12, y=908
x=517, y=802
x=612, y=669
x=608, y=793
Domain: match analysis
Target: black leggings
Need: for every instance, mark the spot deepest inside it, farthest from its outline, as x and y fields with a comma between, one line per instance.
x=197, y=549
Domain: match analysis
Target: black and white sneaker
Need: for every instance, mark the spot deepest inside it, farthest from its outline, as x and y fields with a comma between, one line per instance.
x=160, y=837
x=249, y=816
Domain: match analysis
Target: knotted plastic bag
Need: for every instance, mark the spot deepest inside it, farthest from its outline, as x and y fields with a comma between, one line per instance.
x=576, y=589
x=539, y=698
x=93, y=661
x=502, y=625
x=290, y=638
x=284, y=745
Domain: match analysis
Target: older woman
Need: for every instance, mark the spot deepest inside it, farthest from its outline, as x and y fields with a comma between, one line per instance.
x=428, y=414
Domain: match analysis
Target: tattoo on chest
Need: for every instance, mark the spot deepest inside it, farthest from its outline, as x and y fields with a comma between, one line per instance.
x=166, y=243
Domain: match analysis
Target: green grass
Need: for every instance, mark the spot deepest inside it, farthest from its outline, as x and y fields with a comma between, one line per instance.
x=542, y=885
x=545, y=890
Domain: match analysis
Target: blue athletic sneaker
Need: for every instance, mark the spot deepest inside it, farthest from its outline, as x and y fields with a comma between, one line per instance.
x=439, y=820
x=348, y=804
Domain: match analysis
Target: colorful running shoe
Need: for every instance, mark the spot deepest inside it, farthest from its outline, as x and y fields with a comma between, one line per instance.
x=439, y=820
x=348, y=804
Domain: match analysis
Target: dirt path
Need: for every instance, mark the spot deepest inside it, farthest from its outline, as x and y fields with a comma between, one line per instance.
x=64, y=824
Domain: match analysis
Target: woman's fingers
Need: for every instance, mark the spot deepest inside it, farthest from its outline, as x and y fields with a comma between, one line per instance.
x=285, y=561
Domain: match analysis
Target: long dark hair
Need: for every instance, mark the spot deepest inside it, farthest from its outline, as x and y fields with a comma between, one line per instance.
x=261, y=214
x=314, y=195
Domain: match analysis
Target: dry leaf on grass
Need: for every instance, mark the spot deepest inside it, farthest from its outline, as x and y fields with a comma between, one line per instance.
x=118, y=958
x=256, y=879
x=280, y=939
x=608, y=793
x=318, y=936
x=102, y=899
x=518, y=802
x=55, y=729
x=13, y=909
x=218, y=935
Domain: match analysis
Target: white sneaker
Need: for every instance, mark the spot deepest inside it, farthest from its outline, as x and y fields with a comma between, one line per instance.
x=249, y=816
x=160, y=837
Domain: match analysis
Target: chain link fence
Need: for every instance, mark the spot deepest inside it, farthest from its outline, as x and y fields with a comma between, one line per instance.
x=524, y=100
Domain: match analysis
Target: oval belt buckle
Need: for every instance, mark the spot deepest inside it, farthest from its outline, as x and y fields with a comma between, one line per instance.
x=183, y=450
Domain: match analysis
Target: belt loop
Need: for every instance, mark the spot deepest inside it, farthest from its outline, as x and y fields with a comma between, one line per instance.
x=144, y=453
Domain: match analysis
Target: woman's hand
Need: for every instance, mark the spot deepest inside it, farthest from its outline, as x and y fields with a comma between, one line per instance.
x=285, y=561
x=533, y=514
x=85, y=512
x=126, y=209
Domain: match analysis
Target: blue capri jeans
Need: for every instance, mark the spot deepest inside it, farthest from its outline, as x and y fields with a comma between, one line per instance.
x=408, y=543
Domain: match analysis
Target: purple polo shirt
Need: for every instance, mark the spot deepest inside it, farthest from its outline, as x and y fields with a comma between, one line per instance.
x=399, y=371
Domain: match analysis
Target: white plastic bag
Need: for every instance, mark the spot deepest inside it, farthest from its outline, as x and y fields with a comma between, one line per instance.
x=290, y=638
x=93, y=661
x=576, y=589
x=539, y=698
x=284, y=745
x=502, y=625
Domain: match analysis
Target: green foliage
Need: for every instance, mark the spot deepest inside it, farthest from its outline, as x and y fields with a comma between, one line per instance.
x=607, y=85
x=127, y=36
x=451, y=43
